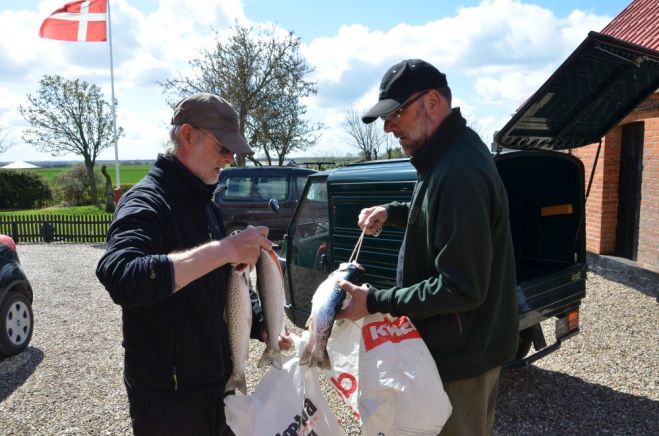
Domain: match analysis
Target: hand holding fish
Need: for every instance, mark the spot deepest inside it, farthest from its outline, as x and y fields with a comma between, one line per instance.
x=356, y=308
x=285, y=341
x=246, y=245
x=372, y=219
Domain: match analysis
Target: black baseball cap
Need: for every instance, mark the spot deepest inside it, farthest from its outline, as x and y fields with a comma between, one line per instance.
x=209, y=111
x=400, y=82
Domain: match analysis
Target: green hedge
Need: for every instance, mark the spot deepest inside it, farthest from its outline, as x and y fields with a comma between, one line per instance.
x=23, y=190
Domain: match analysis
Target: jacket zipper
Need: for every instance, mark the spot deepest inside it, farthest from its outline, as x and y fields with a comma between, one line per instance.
x=174, y=377
x=457, y=317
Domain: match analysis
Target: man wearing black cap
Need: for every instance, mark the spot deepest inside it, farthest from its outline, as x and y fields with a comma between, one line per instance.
x=167, y=264
x=456, y=270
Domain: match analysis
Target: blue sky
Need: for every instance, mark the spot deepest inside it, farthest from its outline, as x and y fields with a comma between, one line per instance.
x=494, y=52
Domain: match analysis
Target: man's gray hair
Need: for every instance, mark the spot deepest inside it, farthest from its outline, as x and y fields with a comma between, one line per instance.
x=174, y=137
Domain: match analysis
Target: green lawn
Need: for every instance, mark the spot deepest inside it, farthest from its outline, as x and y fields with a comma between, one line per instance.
x=128, y=173
x=69, y=211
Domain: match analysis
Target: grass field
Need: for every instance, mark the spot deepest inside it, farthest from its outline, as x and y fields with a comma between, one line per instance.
x=67, y=211
x=128, y=173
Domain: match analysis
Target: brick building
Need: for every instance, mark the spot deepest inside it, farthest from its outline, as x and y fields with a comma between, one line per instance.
x=622, y=209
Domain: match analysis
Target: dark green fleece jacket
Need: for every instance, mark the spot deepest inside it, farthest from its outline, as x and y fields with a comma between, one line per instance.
x=457, y=281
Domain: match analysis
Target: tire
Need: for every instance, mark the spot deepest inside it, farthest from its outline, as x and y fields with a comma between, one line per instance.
x=524, y=345
x=16, y=324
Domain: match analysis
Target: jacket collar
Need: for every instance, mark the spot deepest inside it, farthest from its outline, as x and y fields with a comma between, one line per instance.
x=424, y=160
x=171, y=172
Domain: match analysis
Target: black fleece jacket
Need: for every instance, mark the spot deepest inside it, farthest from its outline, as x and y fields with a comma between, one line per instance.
x=174, y=342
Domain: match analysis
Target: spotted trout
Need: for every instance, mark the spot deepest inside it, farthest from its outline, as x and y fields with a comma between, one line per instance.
x=326, y=302
x=270, y=286
x=239, y=320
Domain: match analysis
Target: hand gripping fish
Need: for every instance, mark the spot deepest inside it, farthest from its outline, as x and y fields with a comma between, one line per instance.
x=270, y=286
x=326, y=302
x=239, y=320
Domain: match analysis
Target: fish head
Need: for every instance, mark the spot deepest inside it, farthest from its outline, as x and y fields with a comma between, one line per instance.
x=351, y=271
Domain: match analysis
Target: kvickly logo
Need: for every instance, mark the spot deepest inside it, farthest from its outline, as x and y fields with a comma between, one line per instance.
x=388, y=330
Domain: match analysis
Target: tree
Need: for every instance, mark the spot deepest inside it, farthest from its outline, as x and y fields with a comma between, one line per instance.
x=368, y=138
x=70, y=116
x=261, y=74
x=393, y=148
x=5, y=143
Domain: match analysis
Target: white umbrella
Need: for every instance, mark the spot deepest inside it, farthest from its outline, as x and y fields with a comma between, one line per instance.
x=19, y=164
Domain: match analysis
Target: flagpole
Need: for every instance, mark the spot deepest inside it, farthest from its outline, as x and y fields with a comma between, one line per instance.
x=114, y=115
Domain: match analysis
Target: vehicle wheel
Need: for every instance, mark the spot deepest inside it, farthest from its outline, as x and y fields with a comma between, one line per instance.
x=16, y=322
x=524, y=345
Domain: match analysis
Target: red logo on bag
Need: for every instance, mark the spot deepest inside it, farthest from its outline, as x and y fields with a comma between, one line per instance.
x=388, y=330
x=345, y=383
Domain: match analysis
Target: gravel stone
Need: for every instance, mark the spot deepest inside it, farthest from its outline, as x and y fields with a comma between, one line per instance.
x=69, y=380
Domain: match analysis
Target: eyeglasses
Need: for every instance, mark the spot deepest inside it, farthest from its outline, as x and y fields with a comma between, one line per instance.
x=395, y=115
x=220, y=148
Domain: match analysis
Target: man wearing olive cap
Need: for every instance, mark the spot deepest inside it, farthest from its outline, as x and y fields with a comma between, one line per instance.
x=456, y=269
x=167, y=264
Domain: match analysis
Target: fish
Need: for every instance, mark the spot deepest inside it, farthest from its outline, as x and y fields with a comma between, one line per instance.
x=239, y=320
x=270, y=287
x=325, y=303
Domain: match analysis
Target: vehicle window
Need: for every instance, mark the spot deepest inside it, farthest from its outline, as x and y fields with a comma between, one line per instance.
x=238, y=188
x=310, y=229
x=300, y=182
x=317, y=192
x=268, y=187
x=312, y=217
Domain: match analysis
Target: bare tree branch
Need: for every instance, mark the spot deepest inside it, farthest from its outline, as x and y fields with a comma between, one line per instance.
x=262, y=75
x=5, y=142
x=367, y=138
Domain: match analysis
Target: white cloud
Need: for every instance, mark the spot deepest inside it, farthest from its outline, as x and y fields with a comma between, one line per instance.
x=495, y=55
x=510, y=89
x=147, y=47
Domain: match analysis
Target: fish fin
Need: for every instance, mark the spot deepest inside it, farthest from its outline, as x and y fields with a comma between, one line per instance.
x=276, y=360
x=266, y=359
x=309, y=323
x=305, y=359
x=236, y=382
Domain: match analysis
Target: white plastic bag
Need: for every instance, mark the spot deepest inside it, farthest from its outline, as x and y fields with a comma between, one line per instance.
x=286, y=402
x=386, y=374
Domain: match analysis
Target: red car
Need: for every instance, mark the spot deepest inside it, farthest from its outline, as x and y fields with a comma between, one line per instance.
x=16, y=320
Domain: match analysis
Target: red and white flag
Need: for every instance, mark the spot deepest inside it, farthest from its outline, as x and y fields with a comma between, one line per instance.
x=77, y=21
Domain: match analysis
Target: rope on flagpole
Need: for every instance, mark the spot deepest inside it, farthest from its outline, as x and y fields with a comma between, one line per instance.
x=114, y=115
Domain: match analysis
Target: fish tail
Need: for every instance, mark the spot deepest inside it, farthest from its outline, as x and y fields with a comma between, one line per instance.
x=322, y=362
x=305, y=359
x=236, y=383
x=270, y=357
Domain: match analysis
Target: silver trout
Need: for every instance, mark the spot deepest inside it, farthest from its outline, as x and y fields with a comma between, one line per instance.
x=239, y=320
x=270, y=286
x=326, y=302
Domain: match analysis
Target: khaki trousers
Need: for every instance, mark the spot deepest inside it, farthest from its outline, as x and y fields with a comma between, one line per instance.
x=473, y=400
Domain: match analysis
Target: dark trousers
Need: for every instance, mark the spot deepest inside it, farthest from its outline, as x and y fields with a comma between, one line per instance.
x=199, y=414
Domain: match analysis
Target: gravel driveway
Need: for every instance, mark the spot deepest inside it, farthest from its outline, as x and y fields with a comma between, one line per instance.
x=604, y=381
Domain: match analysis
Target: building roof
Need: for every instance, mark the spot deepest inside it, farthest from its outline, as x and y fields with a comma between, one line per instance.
x=638, y=23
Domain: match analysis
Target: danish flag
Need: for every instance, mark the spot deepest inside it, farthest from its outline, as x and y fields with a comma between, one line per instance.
x=77, y=21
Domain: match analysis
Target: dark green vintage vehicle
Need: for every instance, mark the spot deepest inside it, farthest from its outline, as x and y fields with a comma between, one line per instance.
x=596, y=87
